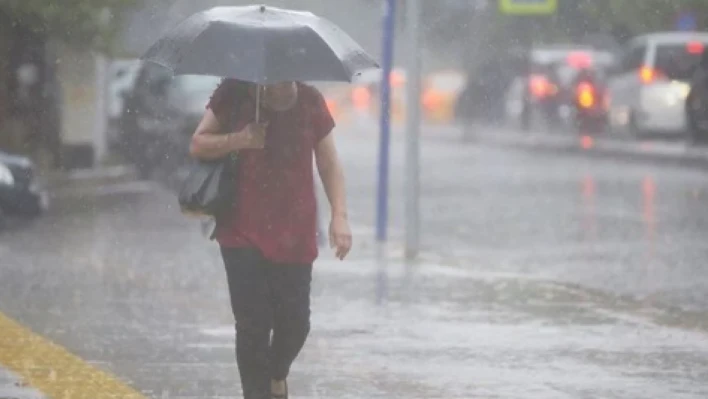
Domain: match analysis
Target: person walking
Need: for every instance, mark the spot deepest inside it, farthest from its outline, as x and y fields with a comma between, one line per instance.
x=268, y=240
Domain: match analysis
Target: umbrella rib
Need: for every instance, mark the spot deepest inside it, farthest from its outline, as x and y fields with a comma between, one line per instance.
x=158, y=63
x=345, y=68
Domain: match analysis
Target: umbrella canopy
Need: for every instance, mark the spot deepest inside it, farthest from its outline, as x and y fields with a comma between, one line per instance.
x=262, y=45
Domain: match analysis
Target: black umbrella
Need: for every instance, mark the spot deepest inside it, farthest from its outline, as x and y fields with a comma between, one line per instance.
x=261, y=45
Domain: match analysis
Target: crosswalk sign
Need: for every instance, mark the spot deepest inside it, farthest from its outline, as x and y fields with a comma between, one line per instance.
x=528, y=7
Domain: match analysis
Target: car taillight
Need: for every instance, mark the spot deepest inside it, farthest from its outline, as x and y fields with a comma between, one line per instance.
x=432, y=99
x=397, y=79
x=579, y=60
x=694, y=47
x=586, y=95
x=540, y=86
x=361, y=97
x=649, y=75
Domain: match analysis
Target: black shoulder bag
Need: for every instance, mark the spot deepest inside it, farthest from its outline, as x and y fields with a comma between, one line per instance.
x=210, y=186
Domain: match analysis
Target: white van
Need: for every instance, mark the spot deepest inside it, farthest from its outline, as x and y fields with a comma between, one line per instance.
x=647, y=94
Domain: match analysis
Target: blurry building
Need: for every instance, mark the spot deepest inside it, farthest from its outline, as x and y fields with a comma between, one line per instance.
x=29, y=111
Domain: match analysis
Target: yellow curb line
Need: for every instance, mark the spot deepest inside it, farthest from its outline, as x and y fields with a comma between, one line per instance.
x=53, y=370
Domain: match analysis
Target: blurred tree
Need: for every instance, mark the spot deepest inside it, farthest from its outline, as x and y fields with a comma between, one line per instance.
x=75, y=22
x=30, y=99
x=628, y=17
x=464, y=24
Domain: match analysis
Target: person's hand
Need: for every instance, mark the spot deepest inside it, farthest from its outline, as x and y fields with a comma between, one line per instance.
x=251, y=137
x=340, y=236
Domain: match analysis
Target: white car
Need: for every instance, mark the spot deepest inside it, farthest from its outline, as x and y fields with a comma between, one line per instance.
x=122, y=74
x=647, y=92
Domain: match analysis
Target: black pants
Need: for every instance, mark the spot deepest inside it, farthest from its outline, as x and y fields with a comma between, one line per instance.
x=266, y=297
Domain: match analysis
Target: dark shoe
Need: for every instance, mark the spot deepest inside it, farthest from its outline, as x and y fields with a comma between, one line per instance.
x=284, y=396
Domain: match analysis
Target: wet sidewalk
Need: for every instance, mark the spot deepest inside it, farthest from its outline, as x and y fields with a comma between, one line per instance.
x=431, y=331
x=116, y=277
x=156, y=317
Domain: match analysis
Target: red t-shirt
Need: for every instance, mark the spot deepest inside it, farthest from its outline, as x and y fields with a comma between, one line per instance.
x=275, y=208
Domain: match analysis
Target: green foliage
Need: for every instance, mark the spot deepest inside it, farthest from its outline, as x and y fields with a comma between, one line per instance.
x=76, y=22
x=641, y=16
x=445, y=23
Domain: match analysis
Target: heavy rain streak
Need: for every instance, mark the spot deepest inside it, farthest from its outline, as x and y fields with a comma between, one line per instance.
x=354, y=199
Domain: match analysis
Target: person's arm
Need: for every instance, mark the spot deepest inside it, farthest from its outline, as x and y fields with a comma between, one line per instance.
x=210, y=141
x=332, y=176
x=208, y=144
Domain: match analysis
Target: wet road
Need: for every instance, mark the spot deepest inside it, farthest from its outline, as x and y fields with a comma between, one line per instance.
x=629, y=227
x=542, y=276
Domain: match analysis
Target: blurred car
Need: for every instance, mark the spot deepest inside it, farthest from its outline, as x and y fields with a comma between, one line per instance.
x=186, y=98
x=697, y=102
x=648, y=91
x=495, y=89
x=441, y=89
x=549, y=91
x=483, y=98
x=439, y=92
x=580, y=86
x=364, y=95
x=21, y=192
x=122, y=75
x=587, y=109
x=160, y=115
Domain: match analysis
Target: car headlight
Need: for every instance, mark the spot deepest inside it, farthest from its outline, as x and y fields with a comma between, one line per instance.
x=681, y=90
x=685, y=91
x=6, y=176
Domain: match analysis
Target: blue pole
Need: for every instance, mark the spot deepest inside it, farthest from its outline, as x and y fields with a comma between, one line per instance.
x=385, y=121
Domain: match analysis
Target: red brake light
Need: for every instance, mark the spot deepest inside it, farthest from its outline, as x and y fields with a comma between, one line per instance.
x=540, y=86
x=579, y=59
x=361, y=97
x=695, y=47
x=432, y=100
x=587, y=142
x=397, y=79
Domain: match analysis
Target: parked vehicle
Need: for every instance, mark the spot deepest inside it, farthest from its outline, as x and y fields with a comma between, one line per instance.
x=160, y=115
x=697, y=103
x=482, y=99
x=546, y=93
x=648, y=91
x=439, y=92
x=588, y=104
x=21, y=192
x=122, y=75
